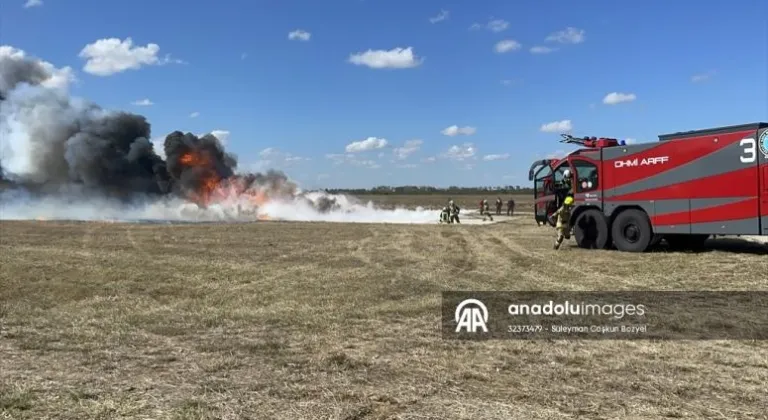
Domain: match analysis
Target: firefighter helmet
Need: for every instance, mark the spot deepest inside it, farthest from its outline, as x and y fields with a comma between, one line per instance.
x=568, y=200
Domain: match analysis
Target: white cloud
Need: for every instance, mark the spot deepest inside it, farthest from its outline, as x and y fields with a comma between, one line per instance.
x=407, y=166
x=194, y=114
x=275, y=154
x=268, y=151
x=702, y=77
x=142, y=102
x=542, y=50
x=504, y=156
x=109, y=56
x=371, y=143
x=443, y=15
x=497, y=25
x=351, y=159
x=291, y=158
x=396, y=58
x=299, y=35
x=568, y=36
x=460, y=153
x=323, y=176
x=563, y=126
x=222, y=135
x=614, y=98
x=33, y=3
x=410, y=147
x=430, y=159
x=55, y=78
x=494, y=25
x=510, y=82
x=455, y=130
x=630, y=140
x=507, y=45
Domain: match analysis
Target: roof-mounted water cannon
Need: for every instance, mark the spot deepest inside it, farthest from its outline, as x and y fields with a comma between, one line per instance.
x=591, y=142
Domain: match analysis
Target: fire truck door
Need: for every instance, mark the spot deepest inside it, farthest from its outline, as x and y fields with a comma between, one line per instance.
x=763, y=181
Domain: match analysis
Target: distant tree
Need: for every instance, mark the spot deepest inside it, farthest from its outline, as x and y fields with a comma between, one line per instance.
x=414, y=189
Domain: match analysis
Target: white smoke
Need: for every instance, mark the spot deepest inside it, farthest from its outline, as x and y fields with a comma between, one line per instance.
x=21, y=205
x=349, y=210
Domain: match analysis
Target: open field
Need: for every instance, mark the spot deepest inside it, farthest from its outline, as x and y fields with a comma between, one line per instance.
x=341, y=321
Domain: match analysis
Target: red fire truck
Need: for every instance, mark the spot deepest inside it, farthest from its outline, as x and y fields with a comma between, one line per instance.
x=682, y=189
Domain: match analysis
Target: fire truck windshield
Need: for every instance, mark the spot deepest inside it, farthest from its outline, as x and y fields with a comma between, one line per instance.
x=587, y=175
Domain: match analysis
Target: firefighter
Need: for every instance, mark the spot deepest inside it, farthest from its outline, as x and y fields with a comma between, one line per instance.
x=445, y=215
x=486, y=212
x=567, y=182
x=562, y=226
x=510, y=207
x=454, y=212
x=499, y=203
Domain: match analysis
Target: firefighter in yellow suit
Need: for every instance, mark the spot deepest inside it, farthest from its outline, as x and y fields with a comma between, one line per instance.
x=562, y=226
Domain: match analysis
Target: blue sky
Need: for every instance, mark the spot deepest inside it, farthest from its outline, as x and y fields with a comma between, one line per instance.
x=685, y=65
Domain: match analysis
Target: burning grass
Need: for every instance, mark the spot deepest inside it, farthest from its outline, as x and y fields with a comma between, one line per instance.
x=321, y=320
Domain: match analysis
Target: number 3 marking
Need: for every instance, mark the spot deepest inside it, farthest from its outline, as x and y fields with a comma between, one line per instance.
x=750, y=150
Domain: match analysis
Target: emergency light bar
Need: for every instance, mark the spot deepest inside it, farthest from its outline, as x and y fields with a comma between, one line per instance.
x=592, y=142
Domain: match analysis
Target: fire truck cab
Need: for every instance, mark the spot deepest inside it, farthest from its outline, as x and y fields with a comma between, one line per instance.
x=682, y=189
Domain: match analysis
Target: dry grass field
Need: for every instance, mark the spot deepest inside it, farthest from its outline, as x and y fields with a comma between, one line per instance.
x=278, y=320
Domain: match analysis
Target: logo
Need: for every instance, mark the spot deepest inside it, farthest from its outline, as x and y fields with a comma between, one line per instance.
x=659, y=160
x=471, y=314
x=764, y=143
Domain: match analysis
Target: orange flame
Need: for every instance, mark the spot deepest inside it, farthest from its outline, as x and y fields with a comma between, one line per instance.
x=194, y=159
x=213, y=189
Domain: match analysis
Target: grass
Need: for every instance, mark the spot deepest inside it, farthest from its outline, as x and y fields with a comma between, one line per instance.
x=281, y=320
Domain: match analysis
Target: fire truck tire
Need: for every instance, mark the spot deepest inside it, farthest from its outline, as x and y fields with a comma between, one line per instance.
x=590, y=230
x=631, y=231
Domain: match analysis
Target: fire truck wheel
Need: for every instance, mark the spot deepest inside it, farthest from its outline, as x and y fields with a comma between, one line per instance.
x=631, y=231
x=591, y=230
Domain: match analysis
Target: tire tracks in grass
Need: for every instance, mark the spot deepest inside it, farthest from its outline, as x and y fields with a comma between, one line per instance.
x=567, y=268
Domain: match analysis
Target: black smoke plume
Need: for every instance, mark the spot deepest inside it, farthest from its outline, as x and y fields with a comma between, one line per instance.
x=108, y=153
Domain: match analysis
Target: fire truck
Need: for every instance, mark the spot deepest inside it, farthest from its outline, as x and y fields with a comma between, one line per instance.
x=682, y=189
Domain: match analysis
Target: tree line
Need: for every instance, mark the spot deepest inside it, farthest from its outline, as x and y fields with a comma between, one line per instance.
x=422, y=190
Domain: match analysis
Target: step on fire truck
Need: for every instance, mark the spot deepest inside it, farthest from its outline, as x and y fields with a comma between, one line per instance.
x=682, y=189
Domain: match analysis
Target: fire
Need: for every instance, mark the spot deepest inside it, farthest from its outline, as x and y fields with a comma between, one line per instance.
x=194, y=159
x=259, y=198
x=211, y=188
